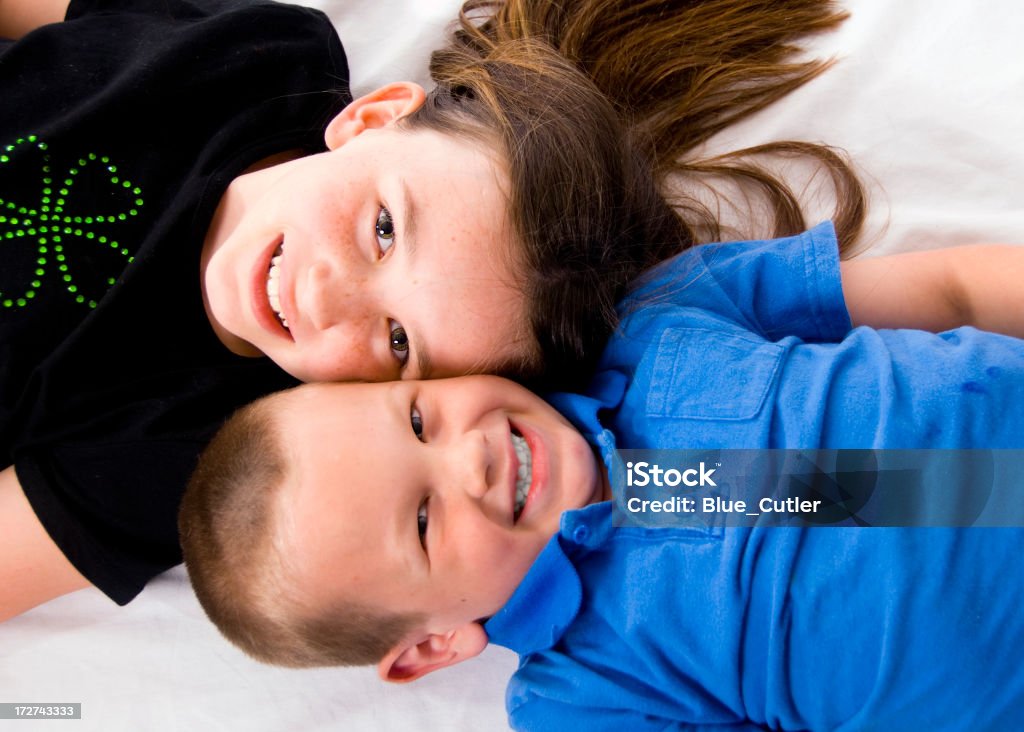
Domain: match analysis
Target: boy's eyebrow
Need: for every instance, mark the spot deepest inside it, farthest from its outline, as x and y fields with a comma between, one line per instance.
x=409, y=210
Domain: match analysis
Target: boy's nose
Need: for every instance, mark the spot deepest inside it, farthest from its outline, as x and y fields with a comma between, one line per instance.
x=472, y=466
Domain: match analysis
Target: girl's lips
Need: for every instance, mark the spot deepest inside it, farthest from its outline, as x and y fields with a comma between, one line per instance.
x=264, y=314
x=539, y=479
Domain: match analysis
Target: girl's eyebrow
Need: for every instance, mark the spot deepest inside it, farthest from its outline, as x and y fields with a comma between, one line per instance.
x=409, y=209
x=408, y=238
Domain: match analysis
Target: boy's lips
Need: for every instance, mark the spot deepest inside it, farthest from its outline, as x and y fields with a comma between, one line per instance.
x=262, y=310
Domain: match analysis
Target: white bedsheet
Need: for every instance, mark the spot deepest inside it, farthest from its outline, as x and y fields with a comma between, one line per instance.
x=929, y=99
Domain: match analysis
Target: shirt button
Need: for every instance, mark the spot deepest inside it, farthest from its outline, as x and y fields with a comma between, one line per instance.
x=580, y=534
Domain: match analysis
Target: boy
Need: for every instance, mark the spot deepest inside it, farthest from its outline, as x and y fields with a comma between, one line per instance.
x=408, y=524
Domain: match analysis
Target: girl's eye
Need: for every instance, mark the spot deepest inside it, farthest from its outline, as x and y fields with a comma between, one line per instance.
x=421, y=523
x=385, y=229
x=416, y=421
x=399, y=342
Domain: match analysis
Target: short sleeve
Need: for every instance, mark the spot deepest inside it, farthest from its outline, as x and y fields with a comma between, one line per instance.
x=774, y=288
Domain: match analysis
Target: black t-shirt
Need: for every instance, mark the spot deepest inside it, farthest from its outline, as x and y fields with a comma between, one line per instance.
x=119, y=131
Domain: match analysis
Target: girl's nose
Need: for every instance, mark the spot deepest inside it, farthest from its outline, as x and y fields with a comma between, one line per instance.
x=334, y=298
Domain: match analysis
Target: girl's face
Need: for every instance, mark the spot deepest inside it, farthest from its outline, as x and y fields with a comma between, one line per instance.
x=387, y=257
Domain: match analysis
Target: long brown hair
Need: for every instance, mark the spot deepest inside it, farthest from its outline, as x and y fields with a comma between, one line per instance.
x=597, y=105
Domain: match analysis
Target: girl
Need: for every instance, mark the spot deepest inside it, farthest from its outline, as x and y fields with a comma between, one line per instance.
x=176, y=137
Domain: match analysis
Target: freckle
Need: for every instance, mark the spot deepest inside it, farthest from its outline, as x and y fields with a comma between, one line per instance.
x=994, y=371
x=973, y=387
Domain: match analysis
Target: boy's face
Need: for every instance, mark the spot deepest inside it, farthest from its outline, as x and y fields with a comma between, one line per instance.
x=403, y=496
x=387, y=257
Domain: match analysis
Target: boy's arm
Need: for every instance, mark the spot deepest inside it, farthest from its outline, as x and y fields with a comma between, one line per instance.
x=980, y=285
x=18, y=17
x=32, y=568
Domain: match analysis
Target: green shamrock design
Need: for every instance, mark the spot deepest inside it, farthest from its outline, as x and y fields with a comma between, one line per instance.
x=53, y=228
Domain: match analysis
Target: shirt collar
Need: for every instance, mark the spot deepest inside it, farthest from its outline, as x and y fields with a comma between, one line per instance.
x=548, y=599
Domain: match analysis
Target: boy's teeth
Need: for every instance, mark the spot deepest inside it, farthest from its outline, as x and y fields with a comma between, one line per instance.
x=524, y=474
x=273, y=285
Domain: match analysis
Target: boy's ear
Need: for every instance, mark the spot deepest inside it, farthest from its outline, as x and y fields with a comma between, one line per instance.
x=409, y=661
x=377, y=109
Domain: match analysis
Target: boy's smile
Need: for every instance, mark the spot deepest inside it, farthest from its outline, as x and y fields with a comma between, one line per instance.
x=403, y=496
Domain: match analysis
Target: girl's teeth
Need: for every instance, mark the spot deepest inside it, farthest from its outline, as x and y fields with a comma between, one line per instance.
x=274, y=287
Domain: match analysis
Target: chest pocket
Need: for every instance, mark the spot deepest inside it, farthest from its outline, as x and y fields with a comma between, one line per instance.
x=710, y=374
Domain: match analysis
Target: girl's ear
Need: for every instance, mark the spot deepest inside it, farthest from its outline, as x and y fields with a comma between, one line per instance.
x=379, y=108
x=409, y=661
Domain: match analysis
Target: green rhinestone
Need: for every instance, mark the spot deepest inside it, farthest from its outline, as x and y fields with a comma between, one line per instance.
x=58, y=248
x=8, y=148
x=41, y=272
x=3, y=219
x=138, y=201
x=80, y=298
x=88, y=219
x=60, y=257
x=4, y=158
x=43, y=146
x=93, y=303
x=56, y=239
x=127, y=184
x=8, y=303
x=46, y=182
x=92, y=156
x=63, y=192
x=121, y=217
x=136, y=190
x=19, y=233
x=42, y=250
x=104, y=160
x=111, y=281
x=22, y=210
x=114, y=179
x=37, y=283
x=31, y=138
x=78, y=232
x=67, y=278
x=69, y=182
x=30, y=294
x=103, y=239
x=72, y=289
x=81, y=163
x=100, y=219
x=133, y=212
x=31, y=232
x=124, y=252
x=41, y=261
x=78, y=219
x=90, y=235
x=114, y=245
x=131, y=259
x=22, y=302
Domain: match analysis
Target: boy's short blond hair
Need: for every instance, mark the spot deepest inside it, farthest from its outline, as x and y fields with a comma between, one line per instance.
x=240, y=571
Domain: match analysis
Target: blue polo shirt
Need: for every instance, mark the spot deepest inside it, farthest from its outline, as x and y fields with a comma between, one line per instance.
x=793, y=629
x=750, y=345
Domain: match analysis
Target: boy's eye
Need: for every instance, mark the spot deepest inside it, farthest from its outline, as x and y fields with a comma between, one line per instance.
x=416, y=421
x=421, y=523
x=385, y=229
x=399, y=342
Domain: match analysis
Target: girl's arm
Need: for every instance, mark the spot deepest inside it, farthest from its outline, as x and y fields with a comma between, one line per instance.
x=980, y=285
x=18, y=17
x=32, y=568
